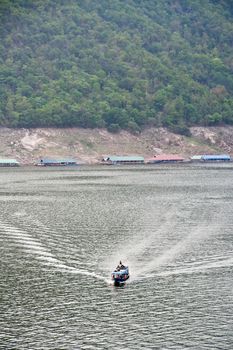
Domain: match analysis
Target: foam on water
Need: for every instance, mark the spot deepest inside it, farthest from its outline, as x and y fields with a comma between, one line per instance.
x=33, y=246
x=198, y=269
x=132, y=253
x=143, y=265
x=169, y=255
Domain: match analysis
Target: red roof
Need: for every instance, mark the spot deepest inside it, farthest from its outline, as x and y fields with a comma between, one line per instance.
x=163, y=157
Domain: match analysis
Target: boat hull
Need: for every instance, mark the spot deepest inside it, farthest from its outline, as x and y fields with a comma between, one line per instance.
x=120, y=277
x=120, y=282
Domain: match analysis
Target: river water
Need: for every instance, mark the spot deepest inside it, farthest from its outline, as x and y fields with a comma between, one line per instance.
x=63, y=230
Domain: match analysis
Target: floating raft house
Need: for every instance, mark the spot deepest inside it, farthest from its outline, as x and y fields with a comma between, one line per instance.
x=216, y=158
x=212, y=158
x=8, y=162
x=165, y=158
x=57, y=162
x=197, y=158
x=123, y=160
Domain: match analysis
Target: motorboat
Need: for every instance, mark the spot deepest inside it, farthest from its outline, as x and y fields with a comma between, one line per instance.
x=120, y=275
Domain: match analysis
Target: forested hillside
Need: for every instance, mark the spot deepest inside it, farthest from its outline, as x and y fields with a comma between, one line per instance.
x=121, y=64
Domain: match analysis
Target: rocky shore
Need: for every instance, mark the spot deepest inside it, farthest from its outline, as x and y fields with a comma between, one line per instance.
x=91, y=145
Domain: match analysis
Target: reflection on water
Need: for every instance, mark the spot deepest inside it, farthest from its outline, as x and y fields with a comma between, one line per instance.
x=62, y=231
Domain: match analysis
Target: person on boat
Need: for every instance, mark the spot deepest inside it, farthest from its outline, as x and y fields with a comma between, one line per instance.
x=120, y=266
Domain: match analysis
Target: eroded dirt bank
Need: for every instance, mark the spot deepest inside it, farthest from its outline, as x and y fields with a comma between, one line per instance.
x=89, y=146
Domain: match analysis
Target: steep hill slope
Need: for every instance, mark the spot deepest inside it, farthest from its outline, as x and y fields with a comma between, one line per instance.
x=116, y=64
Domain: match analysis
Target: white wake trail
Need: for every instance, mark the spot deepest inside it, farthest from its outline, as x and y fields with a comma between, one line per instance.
x=41, y=253
x=198, y=269
x=153, y=252
x=133, y=253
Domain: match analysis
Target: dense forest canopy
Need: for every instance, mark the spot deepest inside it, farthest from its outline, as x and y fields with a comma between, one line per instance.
x=116, y=64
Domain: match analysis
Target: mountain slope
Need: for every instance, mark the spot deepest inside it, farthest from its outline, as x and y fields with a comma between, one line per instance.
x=122, y=64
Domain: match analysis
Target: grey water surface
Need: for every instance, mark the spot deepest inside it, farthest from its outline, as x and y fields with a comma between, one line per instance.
x=63, y=230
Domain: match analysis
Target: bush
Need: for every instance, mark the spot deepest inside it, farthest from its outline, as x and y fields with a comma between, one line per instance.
x=180, y=129
x=133, y=127
x=114, y=128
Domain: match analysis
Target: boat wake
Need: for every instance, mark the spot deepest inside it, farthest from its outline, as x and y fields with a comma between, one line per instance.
x=163, y=253
x=32, y=246
x=201, y=268
x=157, y=252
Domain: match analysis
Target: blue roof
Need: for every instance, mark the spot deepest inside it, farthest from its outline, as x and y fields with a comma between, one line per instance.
x=216, y=157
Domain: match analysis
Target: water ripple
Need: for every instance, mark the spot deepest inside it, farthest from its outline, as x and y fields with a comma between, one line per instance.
x=61, y=234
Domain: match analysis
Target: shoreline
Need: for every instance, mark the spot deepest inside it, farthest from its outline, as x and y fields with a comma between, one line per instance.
x=90, y=146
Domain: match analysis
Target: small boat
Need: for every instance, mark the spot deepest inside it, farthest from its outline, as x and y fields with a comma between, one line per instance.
x=120, y=275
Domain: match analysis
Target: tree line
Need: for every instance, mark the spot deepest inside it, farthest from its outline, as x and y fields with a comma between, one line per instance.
x=116, y=64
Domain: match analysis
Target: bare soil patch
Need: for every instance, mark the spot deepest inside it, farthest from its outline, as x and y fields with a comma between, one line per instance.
x=90, y=146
